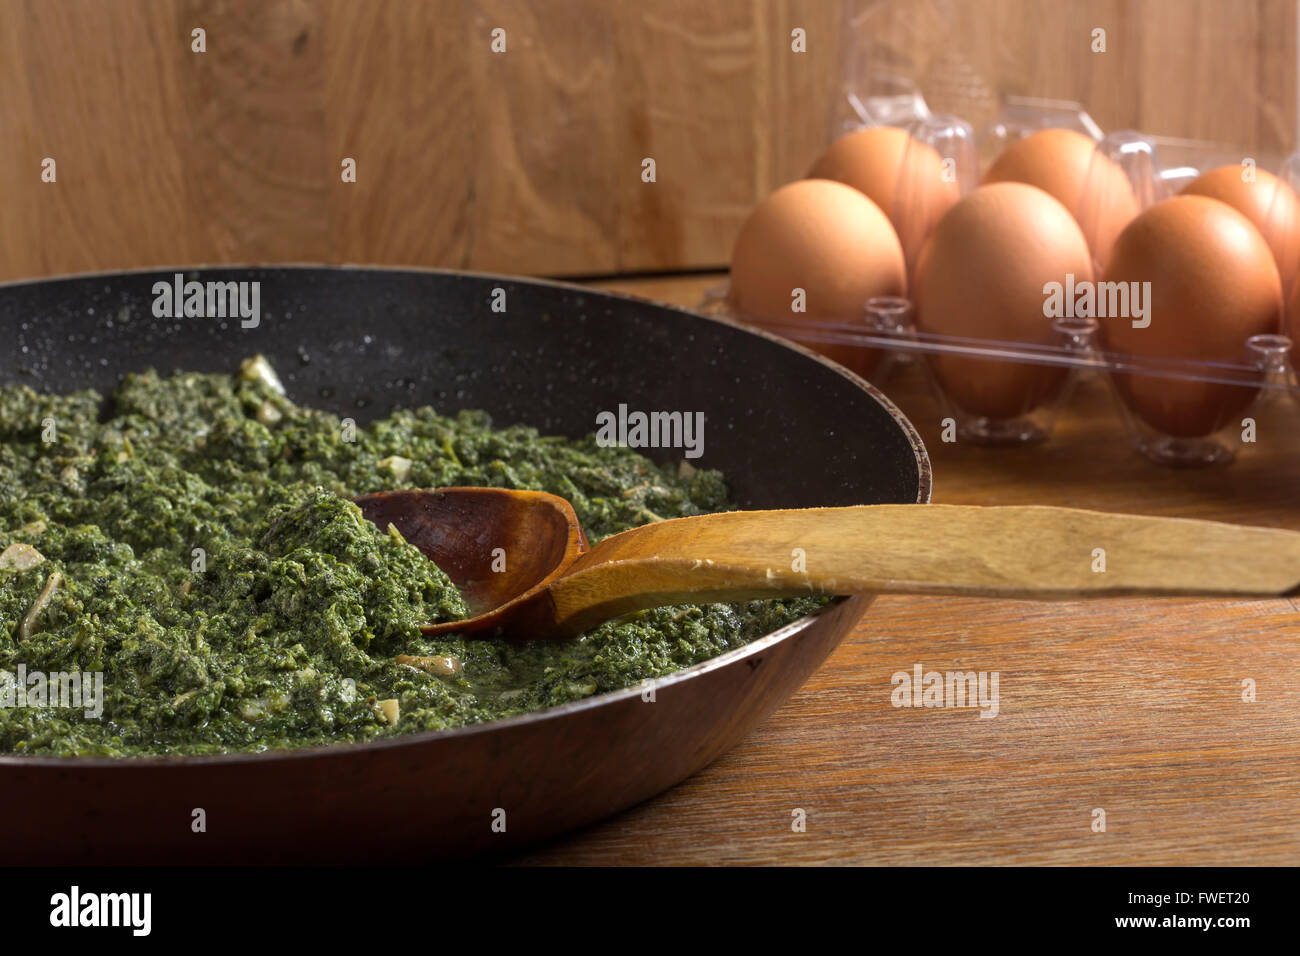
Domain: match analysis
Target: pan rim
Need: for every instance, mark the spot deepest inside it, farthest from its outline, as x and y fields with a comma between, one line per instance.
x=180, y=762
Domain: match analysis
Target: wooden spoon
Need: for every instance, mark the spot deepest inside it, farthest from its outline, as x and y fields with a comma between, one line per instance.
x=523, y=563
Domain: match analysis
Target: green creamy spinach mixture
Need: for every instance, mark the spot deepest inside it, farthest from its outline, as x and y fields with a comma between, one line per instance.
x=192, y=541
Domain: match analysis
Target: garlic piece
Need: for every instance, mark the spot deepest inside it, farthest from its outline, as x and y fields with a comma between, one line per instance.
x=20, y=557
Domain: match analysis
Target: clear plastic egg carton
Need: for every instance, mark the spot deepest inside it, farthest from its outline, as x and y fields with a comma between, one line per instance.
x=888, y=341
x=1224, y=395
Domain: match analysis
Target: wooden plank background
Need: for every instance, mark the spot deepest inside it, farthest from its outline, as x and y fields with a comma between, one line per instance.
x=530, y=161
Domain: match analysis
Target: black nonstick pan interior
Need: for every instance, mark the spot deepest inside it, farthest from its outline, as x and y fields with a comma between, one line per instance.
x=359, y=341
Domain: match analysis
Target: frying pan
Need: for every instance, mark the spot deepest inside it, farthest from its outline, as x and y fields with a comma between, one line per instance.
x=788, y=428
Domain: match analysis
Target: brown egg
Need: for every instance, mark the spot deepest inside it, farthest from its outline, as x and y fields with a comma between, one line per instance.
x=828, y=240
x=981, y=275
x=1057, y=161
x=871, y=161
x=868, y=160
x=1213, y=285
x=1254, y=201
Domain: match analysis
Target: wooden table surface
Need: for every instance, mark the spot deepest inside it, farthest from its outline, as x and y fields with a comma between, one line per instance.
x=1130, y=706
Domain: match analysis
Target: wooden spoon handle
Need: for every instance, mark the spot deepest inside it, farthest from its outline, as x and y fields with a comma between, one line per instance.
x=1009, y=552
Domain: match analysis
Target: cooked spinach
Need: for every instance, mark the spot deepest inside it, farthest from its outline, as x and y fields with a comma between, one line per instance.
x=197, y=547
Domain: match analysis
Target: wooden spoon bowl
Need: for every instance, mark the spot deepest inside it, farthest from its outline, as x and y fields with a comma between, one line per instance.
x=500, y=548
